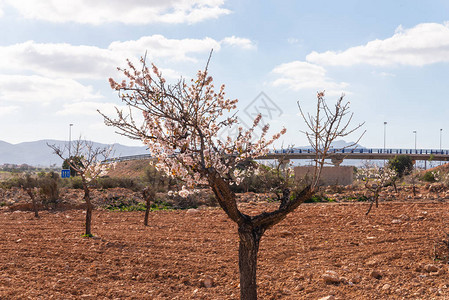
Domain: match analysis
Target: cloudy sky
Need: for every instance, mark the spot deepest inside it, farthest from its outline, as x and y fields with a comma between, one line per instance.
x=390, y=58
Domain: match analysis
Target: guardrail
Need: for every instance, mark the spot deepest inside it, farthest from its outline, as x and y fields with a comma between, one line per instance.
x=365, y=150
x=310, y=151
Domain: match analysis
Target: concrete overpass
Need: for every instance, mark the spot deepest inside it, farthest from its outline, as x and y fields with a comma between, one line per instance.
x=337, y=155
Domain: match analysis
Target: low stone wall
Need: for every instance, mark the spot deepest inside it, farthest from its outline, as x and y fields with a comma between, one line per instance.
x=343, y=175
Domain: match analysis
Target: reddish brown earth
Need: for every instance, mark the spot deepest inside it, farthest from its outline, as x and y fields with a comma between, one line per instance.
x=182, y=251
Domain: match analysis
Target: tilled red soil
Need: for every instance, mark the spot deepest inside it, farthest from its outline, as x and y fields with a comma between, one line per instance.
x=47, y=258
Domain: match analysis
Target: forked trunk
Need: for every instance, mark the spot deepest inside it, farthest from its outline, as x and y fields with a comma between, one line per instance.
x=248, y=249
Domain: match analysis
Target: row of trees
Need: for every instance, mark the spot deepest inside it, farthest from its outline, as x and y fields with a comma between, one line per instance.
x=180, y=124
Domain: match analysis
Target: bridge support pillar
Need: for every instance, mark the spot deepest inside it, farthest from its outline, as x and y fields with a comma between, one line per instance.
x=336, y=161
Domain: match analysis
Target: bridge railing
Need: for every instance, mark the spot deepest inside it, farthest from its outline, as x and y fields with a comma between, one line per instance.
x=126, y=158
x=305, y=151
x=365, y=150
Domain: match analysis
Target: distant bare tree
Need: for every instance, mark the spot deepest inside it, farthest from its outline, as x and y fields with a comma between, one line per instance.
x=376, y=178
x=325, y=126
x=88, y=164
x=29, y=184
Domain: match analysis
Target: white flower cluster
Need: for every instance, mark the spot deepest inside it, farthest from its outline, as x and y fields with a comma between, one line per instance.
x=375, y=176
x=181, y=124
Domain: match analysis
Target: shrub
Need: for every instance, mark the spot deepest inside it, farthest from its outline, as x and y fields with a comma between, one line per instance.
x=157, y=180
x=12, y=182
x=429, y=176
x=49, y=188
x=263, y=181
x=77, y=183
x=402, y=164
x=126, y=204
x=114, y=182
x=319, y=198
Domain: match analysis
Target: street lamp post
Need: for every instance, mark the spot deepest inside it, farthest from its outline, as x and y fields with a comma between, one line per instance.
x=414, y=131
x=70, y=139
x=385, y=134
x=441, y=149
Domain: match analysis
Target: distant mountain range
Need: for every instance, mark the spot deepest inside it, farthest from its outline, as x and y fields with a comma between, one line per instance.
x=39, y=154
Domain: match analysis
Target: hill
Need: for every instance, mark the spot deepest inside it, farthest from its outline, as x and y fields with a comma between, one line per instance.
x=37, y=153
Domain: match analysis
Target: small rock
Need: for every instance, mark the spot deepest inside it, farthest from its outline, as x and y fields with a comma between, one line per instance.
x=286, y=233
x=430, y=268
x=208, y=282
x=371, y=263
x=330, y=297
x=376, y=274
x=351, y=223
x=85, y=280
x=192, y=211
x=396, y=221
x=331, y=277
x=344, y=280
x=356, y=279
x=386, y=286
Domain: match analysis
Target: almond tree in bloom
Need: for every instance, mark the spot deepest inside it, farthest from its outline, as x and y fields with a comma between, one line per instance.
x=180, y=126
x=86, y=160
x=375, y=178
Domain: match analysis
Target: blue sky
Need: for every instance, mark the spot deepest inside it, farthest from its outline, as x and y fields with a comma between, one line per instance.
x=390, y=58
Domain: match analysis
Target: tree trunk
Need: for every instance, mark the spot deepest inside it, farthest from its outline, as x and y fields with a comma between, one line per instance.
x=248, y=249
x=148, y=194
x=147, y=213
x=33, y=200
x=88, y=211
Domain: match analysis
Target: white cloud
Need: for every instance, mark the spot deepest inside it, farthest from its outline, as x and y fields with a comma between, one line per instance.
x=38, y=89
x=162, y=47
x=61, y=59
x=89, y=108
x=383, y=74
x=58, y=59
x=127, y=12
x=298, y=75
x=423, y=44
x=239, y=42
x=8, y=109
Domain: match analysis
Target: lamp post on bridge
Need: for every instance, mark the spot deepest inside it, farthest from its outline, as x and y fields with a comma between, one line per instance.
x=70, y=138
x=385, y=134
x=441, y=149
x=414, y=131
